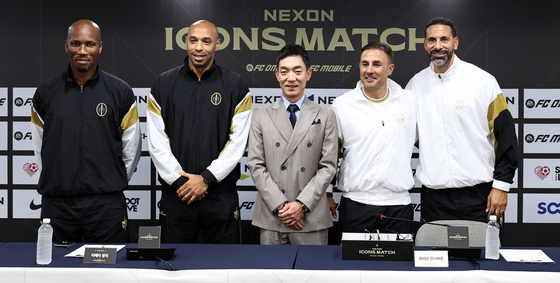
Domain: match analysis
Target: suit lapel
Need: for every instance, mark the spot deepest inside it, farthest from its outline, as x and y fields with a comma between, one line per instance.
x=307, y=114
x=280, y=119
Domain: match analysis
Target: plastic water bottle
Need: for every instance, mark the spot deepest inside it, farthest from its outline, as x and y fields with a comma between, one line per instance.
x=44, y=243
x=492, y=239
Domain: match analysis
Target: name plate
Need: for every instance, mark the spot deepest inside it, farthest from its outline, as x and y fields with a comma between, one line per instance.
x=431, y=259
x=101, y=256
x=367, y=246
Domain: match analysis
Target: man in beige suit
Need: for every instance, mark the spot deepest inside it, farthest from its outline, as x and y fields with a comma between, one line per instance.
x=292, y=157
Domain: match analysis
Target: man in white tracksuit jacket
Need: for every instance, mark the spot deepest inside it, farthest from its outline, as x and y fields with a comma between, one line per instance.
x=377, y=131
x=467, y=141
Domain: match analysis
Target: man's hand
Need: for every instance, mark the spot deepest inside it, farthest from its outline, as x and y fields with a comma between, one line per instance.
x=194, y=189
x=332, y=206
x=291, y=213
x=298, y=225
x=497, y=202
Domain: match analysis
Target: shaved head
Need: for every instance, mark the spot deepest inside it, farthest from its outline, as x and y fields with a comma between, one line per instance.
x=80, y=24
x=207, y=25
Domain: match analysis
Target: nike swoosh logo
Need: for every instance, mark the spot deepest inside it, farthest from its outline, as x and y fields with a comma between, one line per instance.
x=34, y=206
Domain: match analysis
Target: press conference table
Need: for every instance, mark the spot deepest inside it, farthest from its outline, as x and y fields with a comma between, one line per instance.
x=255, y=263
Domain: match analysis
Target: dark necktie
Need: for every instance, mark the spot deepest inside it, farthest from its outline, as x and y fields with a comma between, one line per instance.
x=292, y=108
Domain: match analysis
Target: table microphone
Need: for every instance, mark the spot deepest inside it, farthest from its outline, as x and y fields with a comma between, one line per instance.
x=383, y=217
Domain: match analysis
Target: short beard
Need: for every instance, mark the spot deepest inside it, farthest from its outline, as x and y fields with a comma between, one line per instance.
x=440, y=63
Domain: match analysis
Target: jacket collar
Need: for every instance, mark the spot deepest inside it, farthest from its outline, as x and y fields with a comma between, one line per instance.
x=449, y=73
x=70, y=79
x=191, y=72
x=396, y=90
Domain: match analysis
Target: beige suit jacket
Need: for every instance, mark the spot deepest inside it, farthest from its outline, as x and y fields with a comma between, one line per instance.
x=288, y=164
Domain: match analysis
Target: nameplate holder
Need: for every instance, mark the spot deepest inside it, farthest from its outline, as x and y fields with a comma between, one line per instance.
x=431, y=259
x=100, y=255
x=458, y=237
x=373, y=246
x=149, y=237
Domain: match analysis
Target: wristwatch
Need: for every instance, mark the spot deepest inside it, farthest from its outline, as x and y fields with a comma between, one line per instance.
x=304, y=207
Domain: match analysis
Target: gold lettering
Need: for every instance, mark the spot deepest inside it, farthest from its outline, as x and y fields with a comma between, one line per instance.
x=267, y=15
x=412, y=40
x=168, y=38
x=365, y=32
x=390, y=31
x=226, y=40
x=342, y=34
x=278, y=40
x=309, y=44
x=180, y=38
x=253, y=43
x=284, y=15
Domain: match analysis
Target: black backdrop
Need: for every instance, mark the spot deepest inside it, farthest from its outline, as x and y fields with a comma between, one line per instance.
x=516, y=41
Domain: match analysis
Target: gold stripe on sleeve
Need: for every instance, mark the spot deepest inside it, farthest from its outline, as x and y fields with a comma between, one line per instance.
x=496, y=107
x=35, y=118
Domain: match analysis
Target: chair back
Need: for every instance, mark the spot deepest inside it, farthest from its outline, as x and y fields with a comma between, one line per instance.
x=436, y=236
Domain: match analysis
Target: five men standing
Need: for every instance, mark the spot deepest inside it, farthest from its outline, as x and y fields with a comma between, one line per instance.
x=199, y=119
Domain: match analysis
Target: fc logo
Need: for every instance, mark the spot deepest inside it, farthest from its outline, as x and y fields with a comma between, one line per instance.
x=101, y=109
x=529, y=138
x=216, y=98
x=530, y=103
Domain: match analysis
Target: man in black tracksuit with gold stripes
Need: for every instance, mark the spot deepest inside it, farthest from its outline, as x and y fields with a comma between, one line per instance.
x=198, y=121
x=86, y=137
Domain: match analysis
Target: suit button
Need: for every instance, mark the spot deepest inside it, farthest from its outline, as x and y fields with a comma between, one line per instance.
x=283, y=168
x=277, y=144
x=283, y=191
x=309, y=145
x=302, y=169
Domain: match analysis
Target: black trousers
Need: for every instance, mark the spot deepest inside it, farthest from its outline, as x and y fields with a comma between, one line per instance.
x=356, y=217
x=216, y=217
x=91, y=218
x=467, y=203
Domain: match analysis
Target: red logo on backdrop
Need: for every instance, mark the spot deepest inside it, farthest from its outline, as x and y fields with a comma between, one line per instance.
x=30, y=168
x=542, y=172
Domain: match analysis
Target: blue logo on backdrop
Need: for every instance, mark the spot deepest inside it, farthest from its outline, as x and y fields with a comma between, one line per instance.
x=552, y=208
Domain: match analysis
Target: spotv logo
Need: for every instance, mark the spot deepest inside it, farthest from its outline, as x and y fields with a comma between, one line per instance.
x=552, y=208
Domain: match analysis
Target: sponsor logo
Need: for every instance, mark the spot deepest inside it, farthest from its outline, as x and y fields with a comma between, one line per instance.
x=2, y=101
x=132, y=204
x=216, y=98
x=400, y=119
x=19, y=102
x=542, y=138
x=30, y=168
x=543, y=103
x=19, y=136
x=542, y=171
x=459, y=107
x=551, y=208
x=34, y=206
x=247, y=205
x=101, y=109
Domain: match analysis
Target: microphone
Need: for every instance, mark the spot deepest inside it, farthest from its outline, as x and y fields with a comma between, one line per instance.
x=383, y=217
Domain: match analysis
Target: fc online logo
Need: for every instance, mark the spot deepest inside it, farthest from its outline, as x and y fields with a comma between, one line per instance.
x=552, y=208
x=542, y=171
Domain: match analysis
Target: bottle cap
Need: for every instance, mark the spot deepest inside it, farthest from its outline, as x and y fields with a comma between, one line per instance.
x=46, y=220
x=493, y=217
